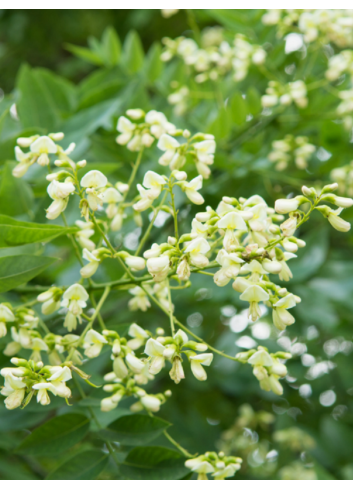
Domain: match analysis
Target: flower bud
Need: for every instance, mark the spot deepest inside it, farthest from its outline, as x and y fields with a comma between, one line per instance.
x=309, y=192
x=283, y=206
x=136, y=263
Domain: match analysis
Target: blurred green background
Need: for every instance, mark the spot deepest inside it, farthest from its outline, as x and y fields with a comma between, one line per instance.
x=84, y=100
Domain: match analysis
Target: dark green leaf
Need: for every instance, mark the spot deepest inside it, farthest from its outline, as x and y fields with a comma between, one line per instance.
x=136, y=429
x=18, y=233
x=154, y=463
x=56, y=435
x=83, y=466
x=16, y=196
x=111, y=46
x=254, y=100
x=20, y=269
x=133, y=52
x=85, y=54
x=154, y=64
x=239, y=109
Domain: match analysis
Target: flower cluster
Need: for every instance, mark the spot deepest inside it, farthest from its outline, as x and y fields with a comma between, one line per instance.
x=40, y=150
x=217, y=465
x=323, y=25
x=279, y=94
x=29, y=377
x=267, y=368
x=291, y=148
x=216, y=57
x=339, y=64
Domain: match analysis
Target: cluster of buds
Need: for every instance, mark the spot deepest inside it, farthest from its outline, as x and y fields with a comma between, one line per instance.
x=144, y=130
x=279, y=94
x=172, y=348
x=339, y=64
x=324, y=25
x=216, y=57
x=40, y=149
x=140, y=299
x=74, y=300
x=267, y=368
x=217, y=465
x=200, y=147
x=291, y=148
x=344, y=178
x=346, y=106
x=30, y=377
x=24, y=334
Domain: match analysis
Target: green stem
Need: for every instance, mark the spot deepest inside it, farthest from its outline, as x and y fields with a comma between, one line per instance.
x=148, y=230
x=170, y=310
x=181, y=325
x=90, y=324
x=175, y=214
x=132, y=176
x=177, y=445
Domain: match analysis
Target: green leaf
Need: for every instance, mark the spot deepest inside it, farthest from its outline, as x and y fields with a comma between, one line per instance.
x=221, y=125
x=86, y=465
x=253, y=99
x=239, y=109
x=133, y=52
x=56, y=435
x=111, y=46
x=154, y=64
x=20, y=269
x=154, y=463
x=18, y=233
x=45, y=99
x=136, y=429
x=16, y=196
x=85, y=54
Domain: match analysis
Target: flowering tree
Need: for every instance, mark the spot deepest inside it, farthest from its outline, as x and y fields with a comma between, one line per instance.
x=114, y=237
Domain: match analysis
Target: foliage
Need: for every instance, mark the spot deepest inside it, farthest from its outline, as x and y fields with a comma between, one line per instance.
x=280, y=109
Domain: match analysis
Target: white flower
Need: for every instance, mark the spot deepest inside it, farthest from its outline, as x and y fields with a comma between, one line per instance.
x=139, y=301
x=226, y=472
x=283, y=206
x=254, y=294
x=191, y=188
x=159, y=123
x=232, y=220
x=169, y=145
x=84, y=234
x=197, y=249
x=183, y=270
x=43, y=388
x=155, y=350
x=14, y=390
x=196, y=363
x=93, y=181
x=126, y=127
x=281, y=317
x=136, y=263
x=154, y=183
x=261, y=358
x=56, y=208
x=59, y=377
x=134, y=363
x=60, y=190
x=74, y=298
x=139, y=336
x=337, y=222
x=91, y=268
x=111, y=196
x=285, y=273
x=6, y=316
x=145, y=202
x=151, y=403
x=93, y=343
x=205, y=156
x=158, y=267
x=177, y=372
x=200, y=466
x=230, y=263
x=110, y=403
x=43, y=144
